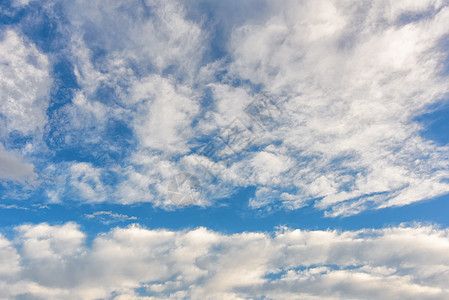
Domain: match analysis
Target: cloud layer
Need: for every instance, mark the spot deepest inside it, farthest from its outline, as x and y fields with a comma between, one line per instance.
x=54, y=262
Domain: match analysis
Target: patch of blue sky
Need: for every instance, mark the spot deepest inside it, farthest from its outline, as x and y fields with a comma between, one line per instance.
x=436, y=123
x=227, y=216
x=410, y=17
x=325, y=268
x=217, y=17
x=10, y=14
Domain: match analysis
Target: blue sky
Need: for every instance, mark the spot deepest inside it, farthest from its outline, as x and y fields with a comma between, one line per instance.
x=208, y=150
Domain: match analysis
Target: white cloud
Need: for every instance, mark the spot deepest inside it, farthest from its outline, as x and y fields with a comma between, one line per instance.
x=354, y=80
x=21, y=2
x=164, y=121
x=24, y=91
x=151, y=179
x=50, y=262
x=86, y=179
x=108, y=217
x=24, y=84
x=50, y=243
x=9, y=259
x=12, y=206
x=350, y=82
x=136, y=39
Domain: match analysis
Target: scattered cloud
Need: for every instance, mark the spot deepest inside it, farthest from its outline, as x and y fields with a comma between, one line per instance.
x=355, y=77
x=349, y=81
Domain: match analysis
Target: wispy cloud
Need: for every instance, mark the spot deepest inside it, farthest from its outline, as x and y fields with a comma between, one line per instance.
x=13, y=206
x=108, y=217
x=24, y=85
x=351, y=78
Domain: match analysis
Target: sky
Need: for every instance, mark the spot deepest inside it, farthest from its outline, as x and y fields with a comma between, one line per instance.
x=213, y=149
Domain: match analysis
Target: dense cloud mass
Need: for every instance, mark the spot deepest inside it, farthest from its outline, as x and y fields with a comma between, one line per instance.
x=54, y=262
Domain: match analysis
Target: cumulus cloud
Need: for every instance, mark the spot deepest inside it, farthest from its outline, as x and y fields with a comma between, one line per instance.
x=9, y=259
x=50, y=262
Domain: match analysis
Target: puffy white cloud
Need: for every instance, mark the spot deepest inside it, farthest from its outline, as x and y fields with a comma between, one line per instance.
x=9, y=259
x=50, y=262
x=43, y=242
